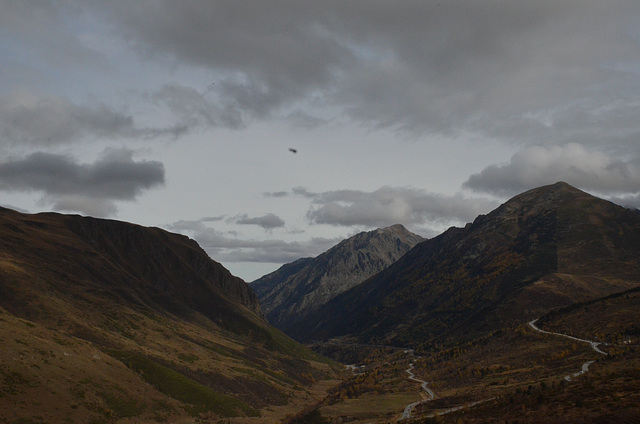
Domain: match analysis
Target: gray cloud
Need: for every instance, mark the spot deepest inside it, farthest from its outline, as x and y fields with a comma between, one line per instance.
x=350, y=208
x=41, y=27
x=197, y=109
x=69, y=185
x=213, y=218
x=501, y=68
x=84, y=204
x=28, y=119
x=301, y=119
x=267, y=222
x=572, y=163
x=392, y=205
x=280, y=49
x=222, y=247
x=276, y=194
x=523, y=72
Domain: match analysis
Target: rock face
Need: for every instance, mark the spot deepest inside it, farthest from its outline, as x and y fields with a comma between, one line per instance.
x=546, y=248
x=300, y=287
x=175, y=264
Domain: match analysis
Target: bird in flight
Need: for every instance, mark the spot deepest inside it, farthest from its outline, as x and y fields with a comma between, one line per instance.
x=293, y=150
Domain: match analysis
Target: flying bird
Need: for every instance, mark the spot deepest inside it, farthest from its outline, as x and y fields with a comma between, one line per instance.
x=293, y=150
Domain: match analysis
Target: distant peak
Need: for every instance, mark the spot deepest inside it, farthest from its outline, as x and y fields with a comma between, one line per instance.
x=394, y=228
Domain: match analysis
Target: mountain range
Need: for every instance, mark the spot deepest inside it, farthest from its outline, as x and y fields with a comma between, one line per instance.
x=546, y=248
x=105, y=321
x=301, y=287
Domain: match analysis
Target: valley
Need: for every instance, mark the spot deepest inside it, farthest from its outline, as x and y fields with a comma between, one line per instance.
x=529, y=314
x=525, y=315
x=522, y=375
x=103, y=321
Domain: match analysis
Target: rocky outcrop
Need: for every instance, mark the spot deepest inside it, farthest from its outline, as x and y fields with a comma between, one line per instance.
x=300, y=287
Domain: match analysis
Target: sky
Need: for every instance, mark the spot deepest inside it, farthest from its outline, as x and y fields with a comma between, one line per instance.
x=270, y=130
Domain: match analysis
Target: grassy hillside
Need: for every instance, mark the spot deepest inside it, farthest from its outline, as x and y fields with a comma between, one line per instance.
x=103, y=322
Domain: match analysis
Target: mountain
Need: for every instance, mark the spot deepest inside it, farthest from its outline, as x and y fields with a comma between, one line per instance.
x=546, y=248
x=102, y=321
x=301, y=287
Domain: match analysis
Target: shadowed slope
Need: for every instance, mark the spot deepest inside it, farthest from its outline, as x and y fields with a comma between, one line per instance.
x=301, y=287
x=545, y=248
x=103, y=320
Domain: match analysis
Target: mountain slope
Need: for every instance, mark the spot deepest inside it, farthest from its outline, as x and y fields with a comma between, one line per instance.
x=301, y=287
x=545, y=248
x=102, y=321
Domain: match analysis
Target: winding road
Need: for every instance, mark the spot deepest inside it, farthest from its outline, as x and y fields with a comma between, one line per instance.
x=407, y=411
x=594, y=346
x=430, y=395
x=406, y=414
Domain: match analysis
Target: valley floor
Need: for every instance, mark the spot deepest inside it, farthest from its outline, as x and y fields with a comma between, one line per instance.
x=520, y=374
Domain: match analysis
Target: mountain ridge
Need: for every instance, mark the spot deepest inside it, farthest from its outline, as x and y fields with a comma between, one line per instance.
x=300, y=287
x=484, y=276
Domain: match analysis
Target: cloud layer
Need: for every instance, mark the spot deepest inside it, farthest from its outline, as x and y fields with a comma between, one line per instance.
x=227, y=247
x=389, y=102
x=572, y=163
x=391, y=205
x=501, y=67
x=29, y=119
x=84, y=187
x=267, y=222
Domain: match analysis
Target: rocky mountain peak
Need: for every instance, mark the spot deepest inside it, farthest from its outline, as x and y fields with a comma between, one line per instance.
x=302, y=286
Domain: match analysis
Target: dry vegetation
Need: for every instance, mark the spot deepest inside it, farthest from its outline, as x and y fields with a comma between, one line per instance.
x=184, y=375
x=92, y=332
x=514, y=375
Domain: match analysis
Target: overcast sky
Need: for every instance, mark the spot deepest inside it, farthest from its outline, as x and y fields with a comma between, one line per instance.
x=182, y=114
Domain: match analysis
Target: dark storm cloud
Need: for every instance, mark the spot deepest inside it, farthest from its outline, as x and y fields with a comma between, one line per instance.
x=223, y=247
x=267, y=222
x=27, y=119
x=391, y=205
x=498, y=67
x=539, y=165
x=68, y=184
